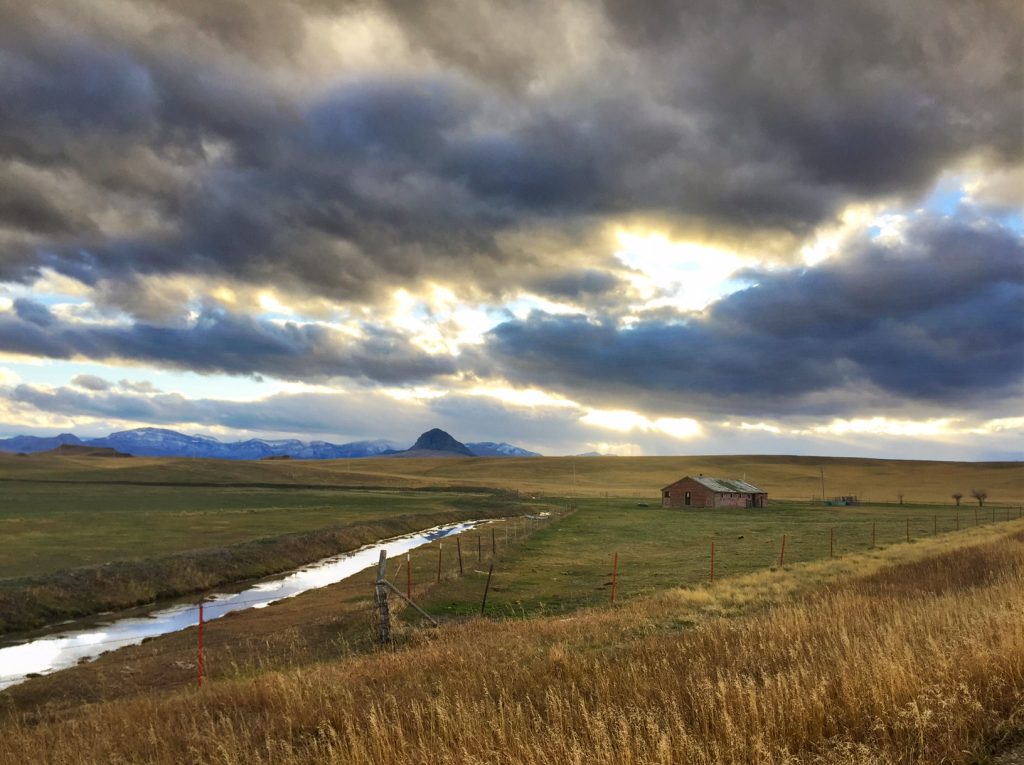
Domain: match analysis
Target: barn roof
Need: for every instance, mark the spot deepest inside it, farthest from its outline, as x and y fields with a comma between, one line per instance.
x=723, y=484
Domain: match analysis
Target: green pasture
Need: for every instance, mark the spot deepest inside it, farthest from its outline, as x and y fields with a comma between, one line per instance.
x=45, y=527
x=568, y=564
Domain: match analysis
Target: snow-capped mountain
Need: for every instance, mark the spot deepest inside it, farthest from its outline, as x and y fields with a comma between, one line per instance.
x=491, y=449
x=162, y=442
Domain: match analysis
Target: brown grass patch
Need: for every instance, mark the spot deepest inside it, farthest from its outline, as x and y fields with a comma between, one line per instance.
x=888, y=668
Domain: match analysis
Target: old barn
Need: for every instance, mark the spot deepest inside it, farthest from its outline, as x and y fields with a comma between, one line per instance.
x=704, y=491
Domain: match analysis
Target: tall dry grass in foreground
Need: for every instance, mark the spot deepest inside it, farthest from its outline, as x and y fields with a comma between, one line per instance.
x=915, y=663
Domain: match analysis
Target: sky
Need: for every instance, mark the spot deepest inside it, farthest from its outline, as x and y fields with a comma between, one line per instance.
x=701, y=227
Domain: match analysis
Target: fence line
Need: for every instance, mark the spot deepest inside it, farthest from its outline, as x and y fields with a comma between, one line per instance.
x=203, y=608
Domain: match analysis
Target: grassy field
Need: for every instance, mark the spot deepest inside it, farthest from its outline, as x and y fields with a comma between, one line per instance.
x=906, y=650
x=569, y=564
x=906, y=655
x=794, y=478
x=77, y=542
x=173, y=526
x=50, y=526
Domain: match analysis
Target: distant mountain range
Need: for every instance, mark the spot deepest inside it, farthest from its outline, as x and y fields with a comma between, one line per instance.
x=160, y=442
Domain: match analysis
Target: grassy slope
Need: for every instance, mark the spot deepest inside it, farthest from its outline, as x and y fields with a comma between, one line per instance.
x=914, y=660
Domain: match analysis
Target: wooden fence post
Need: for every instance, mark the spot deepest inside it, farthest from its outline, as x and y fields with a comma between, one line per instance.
x=782, y=552
x=439, y=545
x=831, y=543
x=487, y=588
x=494, y=545
x=615, y=575
x=958, y=521
x=935, y=525
x=479, y=549
x=381, y=596
x=408, y=575
x=458, y=547
x=712, y=561
x=872, y=535
x=908, y=529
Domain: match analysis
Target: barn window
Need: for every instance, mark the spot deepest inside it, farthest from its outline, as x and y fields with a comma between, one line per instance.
x=686, y=499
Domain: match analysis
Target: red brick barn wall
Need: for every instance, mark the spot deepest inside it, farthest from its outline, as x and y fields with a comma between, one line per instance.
x=732, y=499
x=699, y=495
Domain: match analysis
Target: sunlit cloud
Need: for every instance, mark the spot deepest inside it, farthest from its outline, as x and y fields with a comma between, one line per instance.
x=615, y=448
x=419, y=393
x=762, y=426
x=683, y=275
x=999, y=425
x=271, y=303
x=832, y=238
x=625, y=421
x=941, y=426
x=531, y=398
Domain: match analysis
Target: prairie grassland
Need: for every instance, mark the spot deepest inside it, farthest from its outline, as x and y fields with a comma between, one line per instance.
x=51, y=526
x=785, y=477
x=568, y=564
x=915, y=660
x=31, y=602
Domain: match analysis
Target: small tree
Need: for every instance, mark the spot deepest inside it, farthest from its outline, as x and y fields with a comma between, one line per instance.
x=981, y=495
x=957, y=496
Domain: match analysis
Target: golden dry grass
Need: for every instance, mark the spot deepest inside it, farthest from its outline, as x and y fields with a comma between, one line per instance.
x=786, y=477
x=916, y=660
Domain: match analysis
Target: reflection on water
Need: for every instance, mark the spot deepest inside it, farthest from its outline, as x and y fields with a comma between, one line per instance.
x=54, y=652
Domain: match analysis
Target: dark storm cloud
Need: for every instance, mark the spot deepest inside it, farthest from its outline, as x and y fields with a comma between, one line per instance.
x=937, y=319
x=577, y=284
x=218, y=341
x=742, y=115
x=33, y=313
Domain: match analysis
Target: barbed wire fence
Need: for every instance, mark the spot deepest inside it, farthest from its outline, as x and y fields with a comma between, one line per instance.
x=484, y=554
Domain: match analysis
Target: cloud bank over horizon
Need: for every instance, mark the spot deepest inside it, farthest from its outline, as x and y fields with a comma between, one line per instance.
x=635, y=227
